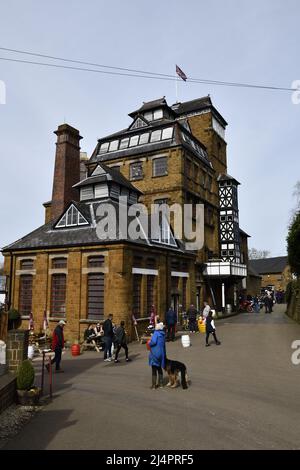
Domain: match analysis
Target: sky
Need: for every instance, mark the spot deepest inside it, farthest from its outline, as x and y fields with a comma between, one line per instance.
x=229, y=40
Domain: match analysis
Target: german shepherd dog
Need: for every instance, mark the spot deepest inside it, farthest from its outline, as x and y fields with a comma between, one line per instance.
x=173, y=368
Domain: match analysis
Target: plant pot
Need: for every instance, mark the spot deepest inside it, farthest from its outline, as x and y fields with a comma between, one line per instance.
x=29, y=397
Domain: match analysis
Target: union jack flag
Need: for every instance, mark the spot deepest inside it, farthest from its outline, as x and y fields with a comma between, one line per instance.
x=180, y=73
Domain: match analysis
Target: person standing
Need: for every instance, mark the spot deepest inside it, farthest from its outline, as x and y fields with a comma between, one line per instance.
x=266, y=302
x=157, y=355
x=171, y=320
x=192, y=316
x=120, y=340
x=211, y=329
x=206, y=310
x=58, y=342
x=108, y=336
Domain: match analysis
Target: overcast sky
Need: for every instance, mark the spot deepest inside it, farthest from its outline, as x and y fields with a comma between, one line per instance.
x=234, y=40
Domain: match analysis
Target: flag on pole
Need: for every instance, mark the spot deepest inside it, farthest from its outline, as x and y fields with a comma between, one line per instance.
x=31, y=322
x=180, y=73
x=45, y=322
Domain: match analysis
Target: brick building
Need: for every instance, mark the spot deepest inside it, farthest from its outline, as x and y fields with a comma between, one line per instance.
x=168, y=154
x=275, y=272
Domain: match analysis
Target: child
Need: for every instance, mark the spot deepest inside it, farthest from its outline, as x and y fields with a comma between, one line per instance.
x=211, y=329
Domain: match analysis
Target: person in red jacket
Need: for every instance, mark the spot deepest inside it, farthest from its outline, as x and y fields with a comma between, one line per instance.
x=58, y=343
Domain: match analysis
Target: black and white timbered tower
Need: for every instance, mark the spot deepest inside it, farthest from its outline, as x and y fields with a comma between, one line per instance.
x=229, y=219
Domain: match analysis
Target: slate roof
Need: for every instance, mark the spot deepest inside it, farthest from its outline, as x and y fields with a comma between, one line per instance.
x=47, y=236
x=158, y=103
x=252, y=272
x=269, y=265
x=199, y=104
x=111, y=175
x=226, y=177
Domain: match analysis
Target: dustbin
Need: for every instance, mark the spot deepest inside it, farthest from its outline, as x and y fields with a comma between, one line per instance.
x=228, y=309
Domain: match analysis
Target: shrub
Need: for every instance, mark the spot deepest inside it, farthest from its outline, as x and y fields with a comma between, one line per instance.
x=25, y=376
x=13, y=316
x=293, y=245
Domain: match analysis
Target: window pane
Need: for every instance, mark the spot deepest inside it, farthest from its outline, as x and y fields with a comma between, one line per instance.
x=25, y=296
x=124, y=143
x=158, y=114
x=150, y=293
x=167, y=133
x=113, y=145
x=160, y=167
x=136, y=292
x=134, y=141
x=144, y=138
x=58, y=295
x=136, y=170
x=27, y=264
x=58, y=263
x=148, y=116
x=104, y=147
x=95, y=296
x=96, y=261
x=155, y=136
x=63, y=221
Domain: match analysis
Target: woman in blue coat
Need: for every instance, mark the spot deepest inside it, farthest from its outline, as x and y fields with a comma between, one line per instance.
x=157, y=356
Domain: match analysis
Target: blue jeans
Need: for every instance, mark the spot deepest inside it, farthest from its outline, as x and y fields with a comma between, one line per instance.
x=107, y=346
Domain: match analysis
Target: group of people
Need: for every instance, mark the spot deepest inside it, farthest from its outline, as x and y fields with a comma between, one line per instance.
x=114, y=335
x=192, y=315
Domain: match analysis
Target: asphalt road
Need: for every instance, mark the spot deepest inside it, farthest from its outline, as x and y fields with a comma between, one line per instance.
x=244, y=394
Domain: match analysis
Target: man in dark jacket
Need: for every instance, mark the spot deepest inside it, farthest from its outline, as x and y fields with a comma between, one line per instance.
x=120, y=339
x=58, y=343
x=192, y=316
x=171, y=320
x=108, y=330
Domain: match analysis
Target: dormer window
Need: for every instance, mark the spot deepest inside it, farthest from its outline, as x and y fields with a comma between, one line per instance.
x=113, y=146
x=153, y=115
x=71, y=218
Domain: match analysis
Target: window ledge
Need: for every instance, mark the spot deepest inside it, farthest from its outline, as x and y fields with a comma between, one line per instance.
x=91, y=321
x=57, y=319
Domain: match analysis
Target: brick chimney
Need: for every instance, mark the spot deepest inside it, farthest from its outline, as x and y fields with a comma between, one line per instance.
x=66, y=170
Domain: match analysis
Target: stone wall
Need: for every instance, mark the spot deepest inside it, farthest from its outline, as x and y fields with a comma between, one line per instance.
x=293, y=308
x=16, y=348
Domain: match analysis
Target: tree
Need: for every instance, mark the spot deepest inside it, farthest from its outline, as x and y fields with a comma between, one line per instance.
x=293, y=245
x=253, y=253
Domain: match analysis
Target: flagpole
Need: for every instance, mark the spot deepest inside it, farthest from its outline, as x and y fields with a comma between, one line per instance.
x=176, y=88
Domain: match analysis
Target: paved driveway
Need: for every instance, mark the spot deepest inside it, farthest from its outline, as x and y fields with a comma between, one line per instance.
x=244, y=394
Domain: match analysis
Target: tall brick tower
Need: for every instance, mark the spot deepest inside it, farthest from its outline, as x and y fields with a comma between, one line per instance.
x=67, y=168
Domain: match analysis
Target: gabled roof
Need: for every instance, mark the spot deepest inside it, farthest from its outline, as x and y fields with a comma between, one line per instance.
x=147, y=106
x=269, y=265
x=109, y=174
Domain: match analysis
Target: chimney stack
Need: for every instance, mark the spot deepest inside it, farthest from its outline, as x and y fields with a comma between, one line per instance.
x=66, y=170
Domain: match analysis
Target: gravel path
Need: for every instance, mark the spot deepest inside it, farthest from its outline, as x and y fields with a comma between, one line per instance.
x=13, y=419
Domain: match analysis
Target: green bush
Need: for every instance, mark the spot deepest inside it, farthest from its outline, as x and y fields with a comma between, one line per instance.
x=293, y=245
x=25, y=376
x=13, y=317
